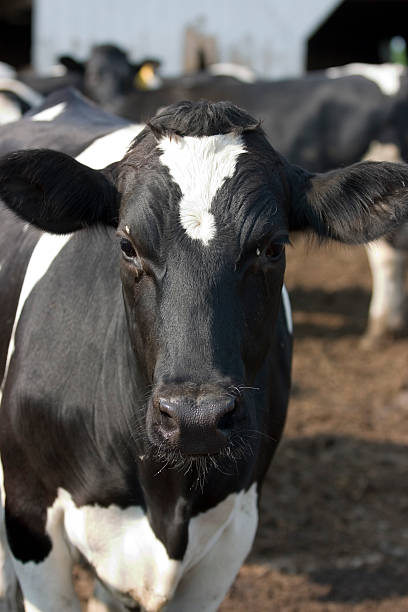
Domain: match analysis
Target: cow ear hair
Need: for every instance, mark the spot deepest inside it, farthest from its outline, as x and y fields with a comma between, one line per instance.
x=56, y=193
x=354, y=205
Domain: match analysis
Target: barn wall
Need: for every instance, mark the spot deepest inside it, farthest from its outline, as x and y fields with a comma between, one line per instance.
x=267, y=35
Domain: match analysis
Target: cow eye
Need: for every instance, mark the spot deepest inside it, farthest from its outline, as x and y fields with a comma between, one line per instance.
x=128, y=249
x=273, y=251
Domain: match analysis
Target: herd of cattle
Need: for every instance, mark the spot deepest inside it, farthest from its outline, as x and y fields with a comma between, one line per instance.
x=146, y=334
x=322, y=121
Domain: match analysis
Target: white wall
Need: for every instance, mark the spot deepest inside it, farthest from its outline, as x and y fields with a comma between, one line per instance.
x=267, y=35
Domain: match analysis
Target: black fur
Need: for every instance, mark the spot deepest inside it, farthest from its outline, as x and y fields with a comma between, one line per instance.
x=353, y=205
x=56, y=193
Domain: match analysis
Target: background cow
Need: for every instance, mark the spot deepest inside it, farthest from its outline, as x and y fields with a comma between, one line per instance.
x=106, y=77
x=146, y=366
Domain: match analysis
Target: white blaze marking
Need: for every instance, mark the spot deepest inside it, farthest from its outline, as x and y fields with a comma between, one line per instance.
x=287, y=308
x=386, y=76
x=44, y=253
x=50, y=113
x=109, y=148
x=200, y=165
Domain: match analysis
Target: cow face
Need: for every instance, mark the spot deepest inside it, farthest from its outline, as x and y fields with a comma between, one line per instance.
x=203, y=223
x=203, y=205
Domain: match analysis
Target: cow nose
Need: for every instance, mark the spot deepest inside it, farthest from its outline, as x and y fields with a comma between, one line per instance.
x=197, y=427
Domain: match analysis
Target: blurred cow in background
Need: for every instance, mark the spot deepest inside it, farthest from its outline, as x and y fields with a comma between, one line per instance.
x=106, y=77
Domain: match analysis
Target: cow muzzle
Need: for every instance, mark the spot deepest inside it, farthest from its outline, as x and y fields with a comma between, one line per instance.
x=194, y=422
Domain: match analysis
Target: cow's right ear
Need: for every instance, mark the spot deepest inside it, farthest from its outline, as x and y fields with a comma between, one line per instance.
x=56, y=193
x=354, y=204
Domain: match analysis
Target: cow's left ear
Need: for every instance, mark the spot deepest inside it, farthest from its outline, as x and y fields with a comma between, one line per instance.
x=55, y=192
x=355, y=204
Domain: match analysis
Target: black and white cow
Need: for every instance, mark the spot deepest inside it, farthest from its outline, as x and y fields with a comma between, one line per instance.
x=146, y=343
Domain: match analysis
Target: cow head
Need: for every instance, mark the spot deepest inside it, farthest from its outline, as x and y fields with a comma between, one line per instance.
x=203, y=207
x=108, y=74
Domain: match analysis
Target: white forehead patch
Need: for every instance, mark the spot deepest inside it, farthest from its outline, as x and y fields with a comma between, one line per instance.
x=200, y=165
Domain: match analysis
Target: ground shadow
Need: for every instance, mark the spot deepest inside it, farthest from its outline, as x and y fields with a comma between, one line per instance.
x=348, y=307
x=339, y=504
x=354, y=585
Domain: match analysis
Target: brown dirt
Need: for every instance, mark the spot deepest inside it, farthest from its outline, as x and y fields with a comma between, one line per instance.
x=333, y=533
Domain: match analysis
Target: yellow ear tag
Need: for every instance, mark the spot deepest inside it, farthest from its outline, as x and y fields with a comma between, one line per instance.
x=144, y=76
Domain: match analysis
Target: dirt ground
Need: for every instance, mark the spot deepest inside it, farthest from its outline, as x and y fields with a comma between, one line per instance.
x=333, y=533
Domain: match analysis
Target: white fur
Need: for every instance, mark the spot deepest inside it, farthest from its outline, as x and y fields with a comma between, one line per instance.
x=9, y=110
x=200, y=166
x=44, y=253
x=8, y=579
x=204, y=585
x=386, y=76
x=287, y=308
x=7, y=71
x=388, y=271
x=382, y=151
x=47, y=586
x=109, y=148
x=128, y=557
x=49, y=114
x=242, y=73
x=31, y=97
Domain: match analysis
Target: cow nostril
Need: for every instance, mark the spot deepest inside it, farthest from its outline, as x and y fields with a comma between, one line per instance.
x=226, y=422
x=167, y=416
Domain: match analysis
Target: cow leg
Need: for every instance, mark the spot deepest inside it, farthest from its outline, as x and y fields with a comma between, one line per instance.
x=48, y=585
x=204, y=586
x=387, y=313
x=10, y=592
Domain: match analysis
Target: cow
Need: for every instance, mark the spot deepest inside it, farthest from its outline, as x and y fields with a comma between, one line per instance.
x=146, y=342
x=16, y=99
x=107, y=76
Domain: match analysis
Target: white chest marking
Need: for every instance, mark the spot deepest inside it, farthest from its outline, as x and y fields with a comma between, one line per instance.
x=109, y=148
x=200, y=165
x=126, y=554
x=287, y=308
x=50, y=113
x=44, y=253
x=386, y=76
